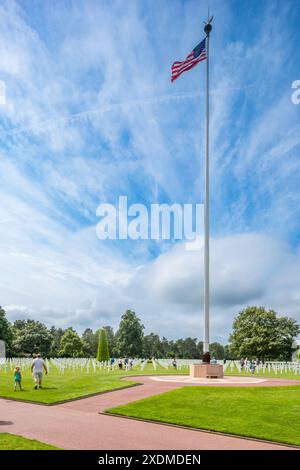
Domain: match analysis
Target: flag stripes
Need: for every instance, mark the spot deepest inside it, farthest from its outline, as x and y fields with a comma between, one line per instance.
x=197, y=55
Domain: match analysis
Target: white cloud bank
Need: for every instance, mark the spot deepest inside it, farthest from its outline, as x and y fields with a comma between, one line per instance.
x=80, y=281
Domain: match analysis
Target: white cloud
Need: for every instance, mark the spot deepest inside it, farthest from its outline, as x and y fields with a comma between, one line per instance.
x=74, y=288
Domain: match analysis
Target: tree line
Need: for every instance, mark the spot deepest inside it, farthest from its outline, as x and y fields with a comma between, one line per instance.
x=256, y=333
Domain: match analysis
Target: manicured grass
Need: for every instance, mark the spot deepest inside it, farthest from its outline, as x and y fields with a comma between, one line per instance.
x=13, y=442
x=72, y=384
x=270, y=413
x=75, y=384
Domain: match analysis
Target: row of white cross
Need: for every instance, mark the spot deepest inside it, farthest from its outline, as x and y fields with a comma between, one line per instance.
x=88, y=365
x=266, y=367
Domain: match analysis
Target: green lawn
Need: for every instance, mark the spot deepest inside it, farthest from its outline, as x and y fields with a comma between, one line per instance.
x=70, y=385
x=13, y=442
x=58, y=387
x=270, y=413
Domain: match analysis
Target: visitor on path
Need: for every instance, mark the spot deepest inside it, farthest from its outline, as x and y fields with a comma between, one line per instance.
x=174, y=363
x=131, y=363
x=120, y=364
x=17, y=378
x=37, y=368
x=242, y=363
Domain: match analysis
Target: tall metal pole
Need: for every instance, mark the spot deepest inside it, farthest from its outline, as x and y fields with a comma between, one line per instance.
x=206, y=358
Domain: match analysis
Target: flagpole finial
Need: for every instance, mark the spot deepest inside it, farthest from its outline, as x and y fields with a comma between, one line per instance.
x=208, y=26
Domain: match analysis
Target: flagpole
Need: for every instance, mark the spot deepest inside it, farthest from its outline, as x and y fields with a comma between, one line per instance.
x=206, y=356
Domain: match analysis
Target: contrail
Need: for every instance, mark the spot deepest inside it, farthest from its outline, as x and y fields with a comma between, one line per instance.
x=41, y=126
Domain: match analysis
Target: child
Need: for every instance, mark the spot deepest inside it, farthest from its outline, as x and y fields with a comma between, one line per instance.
x=18, y=378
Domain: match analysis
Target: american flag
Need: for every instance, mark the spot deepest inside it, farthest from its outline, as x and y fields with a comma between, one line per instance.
x=197, y=55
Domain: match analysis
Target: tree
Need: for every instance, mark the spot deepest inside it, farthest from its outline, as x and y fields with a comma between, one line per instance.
x=6, y=334
x=152, y=346
x=216, y=350
x=200, y=348
x=228, y=353
x=29, y=337
x=71, y=344
x=172, y=351
x=260, y=333
x=103, y=353
x=90, y=342
x=165, y=347
x=57, y=334
x=129, y=339
x=111, y=339
x=187, y=348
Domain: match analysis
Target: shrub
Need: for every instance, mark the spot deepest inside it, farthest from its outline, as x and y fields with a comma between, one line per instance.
x=103, y=353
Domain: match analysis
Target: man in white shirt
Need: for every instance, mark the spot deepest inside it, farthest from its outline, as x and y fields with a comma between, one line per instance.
x=37, y=368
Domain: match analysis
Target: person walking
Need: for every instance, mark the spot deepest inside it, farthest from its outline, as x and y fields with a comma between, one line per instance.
x=37, y=367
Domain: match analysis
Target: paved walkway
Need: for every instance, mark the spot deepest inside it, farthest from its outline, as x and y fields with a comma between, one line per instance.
x=78, y=424
x=227, y=381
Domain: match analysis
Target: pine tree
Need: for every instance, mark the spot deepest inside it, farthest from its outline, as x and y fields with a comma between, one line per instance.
x=103, y=353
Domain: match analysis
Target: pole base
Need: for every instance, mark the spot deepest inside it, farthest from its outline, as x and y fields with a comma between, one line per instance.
x=206, y=358
x=207, y=371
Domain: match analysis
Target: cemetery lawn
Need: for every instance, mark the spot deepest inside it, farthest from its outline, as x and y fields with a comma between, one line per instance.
x=270, y=413
x=13, y=442
x=59, y=387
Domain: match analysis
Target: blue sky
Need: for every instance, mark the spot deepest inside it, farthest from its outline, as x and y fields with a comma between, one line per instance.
x=90, y=114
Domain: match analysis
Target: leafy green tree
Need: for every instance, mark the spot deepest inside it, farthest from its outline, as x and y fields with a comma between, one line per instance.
x=129, y=341
x=6, y=334
x=57, y=334
x=90, y=342
x=172, y=350
x=260, y=333
x=228, y=353
x=165, y=347
x=216, y=350
x=29, y=337
x=200, y=348
x=187, y=348
x=103, y=353
x=19, y=324
x=152, y=346
x=71, y=344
